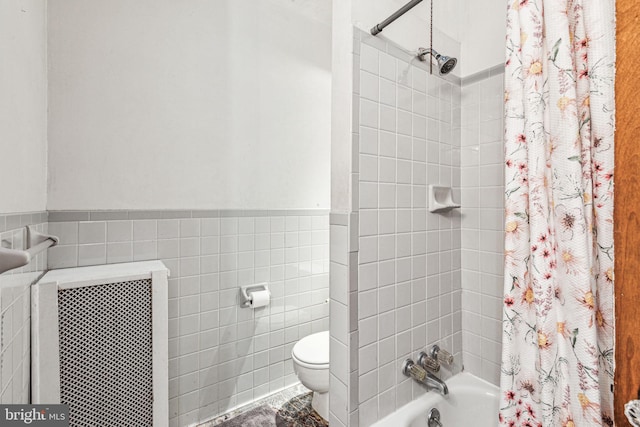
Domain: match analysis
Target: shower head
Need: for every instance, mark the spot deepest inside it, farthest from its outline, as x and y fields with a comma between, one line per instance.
x=445, y=63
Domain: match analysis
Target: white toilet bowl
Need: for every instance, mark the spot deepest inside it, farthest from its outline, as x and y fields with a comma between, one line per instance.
x=311, y=364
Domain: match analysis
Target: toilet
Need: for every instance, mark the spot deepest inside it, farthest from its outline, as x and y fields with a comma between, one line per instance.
x=311, y=364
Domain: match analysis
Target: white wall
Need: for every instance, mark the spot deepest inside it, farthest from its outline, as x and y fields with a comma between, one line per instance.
x=200, y=105
x=23, y=102
x=341, y=105
x=483, y=35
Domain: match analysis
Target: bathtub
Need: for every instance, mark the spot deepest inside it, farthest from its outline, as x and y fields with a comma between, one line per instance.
x=471, y=402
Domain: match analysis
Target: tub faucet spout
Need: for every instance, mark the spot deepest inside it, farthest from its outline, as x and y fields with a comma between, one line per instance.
x=434, y=383
x=411, y=369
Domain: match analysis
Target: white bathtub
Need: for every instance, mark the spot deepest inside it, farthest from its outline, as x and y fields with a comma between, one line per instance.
x=471, y=402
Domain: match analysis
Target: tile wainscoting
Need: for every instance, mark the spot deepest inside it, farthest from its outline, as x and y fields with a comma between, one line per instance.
x=221, y=356
x=15, y=307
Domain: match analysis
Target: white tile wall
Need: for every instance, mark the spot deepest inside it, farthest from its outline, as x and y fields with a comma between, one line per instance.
x=15, y=337
x=482, y=224
x=398, y=271
x=15, y=308
x=221, y=356
x=399, y=276
x=344, y=318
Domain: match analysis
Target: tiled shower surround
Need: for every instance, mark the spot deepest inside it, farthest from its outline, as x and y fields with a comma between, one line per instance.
x=395, y=267
x=402, y=278
x=15, y=307
x=482, y=222
x=221, y=356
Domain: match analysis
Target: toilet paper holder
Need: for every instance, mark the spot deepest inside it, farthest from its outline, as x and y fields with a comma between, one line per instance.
x=245, y=293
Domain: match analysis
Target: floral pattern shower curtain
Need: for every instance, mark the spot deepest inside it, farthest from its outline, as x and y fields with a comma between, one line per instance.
x=557, y=361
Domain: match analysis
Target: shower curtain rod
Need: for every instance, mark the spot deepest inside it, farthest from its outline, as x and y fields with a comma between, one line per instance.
x=404, y=9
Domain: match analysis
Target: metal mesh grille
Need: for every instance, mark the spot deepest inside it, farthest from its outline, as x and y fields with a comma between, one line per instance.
x=106, y=354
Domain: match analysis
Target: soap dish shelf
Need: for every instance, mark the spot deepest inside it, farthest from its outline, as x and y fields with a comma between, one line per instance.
x=441, y=199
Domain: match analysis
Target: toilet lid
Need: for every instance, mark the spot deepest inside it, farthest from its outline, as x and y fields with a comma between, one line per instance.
x=313, y=349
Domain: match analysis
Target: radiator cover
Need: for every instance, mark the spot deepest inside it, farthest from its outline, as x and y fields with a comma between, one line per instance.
x=107, y=327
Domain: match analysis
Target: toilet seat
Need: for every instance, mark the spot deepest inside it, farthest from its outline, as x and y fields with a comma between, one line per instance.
x=318, y=366
x=312, y=351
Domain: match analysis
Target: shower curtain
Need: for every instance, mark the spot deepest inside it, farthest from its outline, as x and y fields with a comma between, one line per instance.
x=557, y=360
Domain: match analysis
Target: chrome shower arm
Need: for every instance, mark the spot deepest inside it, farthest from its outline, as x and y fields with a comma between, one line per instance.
x=422, y=52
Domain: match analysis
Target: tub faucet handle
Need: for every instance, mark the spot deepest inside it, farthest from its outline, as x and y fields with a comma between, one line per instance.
x=428, y=363
x=442, y=356
x=411, y=369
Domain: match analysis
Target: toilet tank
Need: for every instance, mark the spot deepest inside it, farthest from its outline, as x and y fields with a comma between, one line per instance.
x=100, y=343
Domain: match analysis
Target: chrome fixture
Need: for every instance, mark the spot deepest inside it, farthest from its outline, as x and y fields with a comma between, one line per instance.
x=414, y=371
x=397, y=14
x=445, y=63
x=434, y=383
x=442, y=356
x=411, y=369
x=434, y=418
x=428, y=363
x=35, y=243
